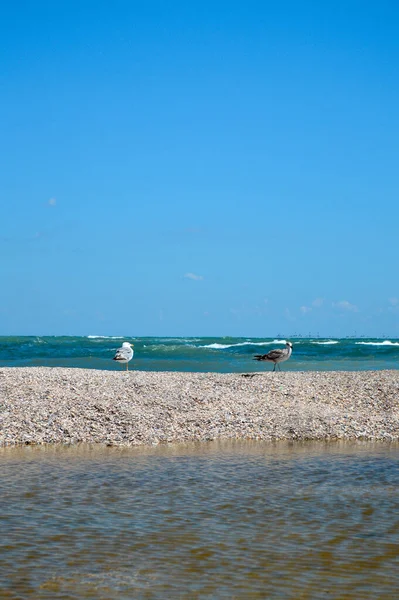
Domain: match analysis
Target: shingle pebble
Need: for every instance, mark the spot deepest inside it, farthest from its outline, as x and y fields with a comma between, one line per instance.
x=44, y=405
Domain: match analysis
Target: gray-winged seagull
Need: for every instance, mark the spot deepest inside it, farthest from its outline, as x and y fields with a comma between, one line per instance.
x=124, y=354
x=276, y=356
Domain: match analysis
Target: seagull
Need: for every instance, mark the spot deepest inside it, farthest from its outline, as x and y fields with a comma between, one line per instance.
x=276, y=356
x=124, y=354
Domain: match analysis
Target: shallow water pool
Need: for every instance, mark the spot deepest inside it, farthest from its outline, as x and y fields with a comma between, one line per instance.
x=218, y=520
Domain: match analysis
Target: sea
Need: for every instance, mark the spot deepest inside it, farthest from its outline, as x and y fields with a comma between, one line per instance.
x=198, y=354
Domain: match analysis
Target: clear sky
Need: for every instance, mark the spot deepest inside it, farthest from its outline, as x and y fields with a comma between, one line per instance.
x=199, y=168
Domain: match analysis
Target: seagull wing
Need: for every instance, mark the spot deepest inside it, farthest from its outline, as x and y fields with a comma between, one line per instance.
x=275, y=354
x=260, y=357
x=123, y=354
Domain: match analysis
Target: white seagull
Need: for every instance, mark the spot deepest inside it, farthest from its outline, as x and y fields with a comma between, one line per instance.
x=124, y=354
x=276, y=356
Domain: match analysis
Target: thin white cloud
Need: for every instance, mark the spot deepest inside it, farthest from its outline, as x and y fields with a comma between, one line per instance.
x=317, y=302
x=193, y=276
x=394, y=305
x=69, y=312
x=192, y=230
x=345, y=305
x=305, y=309
x=288, y=315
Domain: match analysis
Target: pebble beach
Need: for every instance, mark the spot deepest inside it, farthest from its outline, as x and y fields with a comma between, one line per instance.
x=43, y=405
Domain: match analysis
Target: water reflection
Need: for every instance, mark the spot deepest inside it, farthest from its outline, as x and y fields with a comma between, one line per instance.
x=218, y=520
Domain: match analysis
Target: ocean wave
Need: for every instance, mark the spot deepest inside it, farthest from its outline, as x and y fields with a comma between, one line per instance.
x=384, y=343
x=224, y=346
x=329, y=342
x=168, y=347
x=218, y=346
x=105, y=337
x=175, y=339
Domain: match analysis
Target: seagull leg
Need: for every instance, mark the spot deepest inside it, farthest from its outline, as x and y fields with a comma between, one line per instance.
x=127, y=366
x=274, y=368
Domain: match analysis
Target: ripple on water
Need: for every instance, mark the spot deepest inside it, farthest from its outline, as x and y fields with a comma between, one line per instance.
x=242, y=520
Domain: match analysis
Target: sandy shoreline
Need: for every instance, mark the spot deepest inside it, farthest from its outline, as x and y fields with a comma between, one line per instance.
x=55, y=405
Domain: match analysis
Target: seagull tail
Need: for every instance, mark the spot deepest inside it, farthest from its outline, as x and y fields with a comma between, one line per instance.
x=259, y=357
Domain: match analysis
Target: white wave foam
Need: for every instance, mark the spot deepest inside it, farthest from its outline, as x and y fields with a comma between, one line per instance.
x=384, y=343
x=326, y=343
x=105, y=337
x=223, y=346
x=218, y=346
x=177, y=339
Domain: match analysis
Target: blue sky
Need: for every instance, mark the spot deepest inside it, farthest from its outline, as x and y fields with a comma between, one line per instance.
x=199, y=168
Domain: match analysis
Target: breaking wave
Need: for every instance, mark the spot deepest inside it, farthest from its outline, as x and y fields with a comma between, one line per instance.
x=217, y=346
x=105, y=337
x=384, y=343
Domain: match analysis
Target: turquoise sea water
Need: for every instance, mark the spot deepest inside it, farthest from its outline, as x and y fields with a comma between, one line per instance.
x=199, y=354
